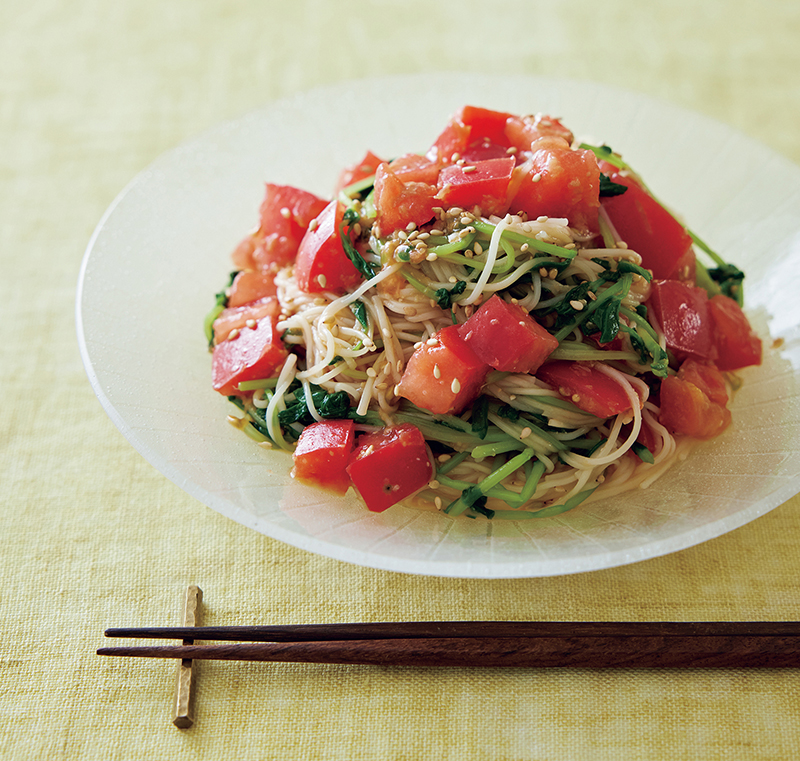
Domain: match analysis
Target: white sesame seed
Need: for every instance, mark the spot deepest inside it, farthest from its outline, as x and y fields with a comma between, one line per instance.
x=233, y=334
x=431, y=257
x=542, y=271
x=622, y=244
x=437, y=373
x=469, y=169
x=433, y=484
x=576, y=305
x=525, y=433
x=432, y=341
x=313, y=225
x=455, y=386
x=251, y=323
x=438, y=503
x=411, y=226
x=322, y=280
x=592, y=295
x=553, y=273
x=542, y=218
x=536, y=177
x=443, y=457
x=523, y=247
x=286, y=212
x=512, y=150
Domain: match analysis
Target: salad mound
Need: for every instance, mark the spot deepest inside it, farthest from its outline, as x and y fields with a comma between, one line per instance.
x=505, y=326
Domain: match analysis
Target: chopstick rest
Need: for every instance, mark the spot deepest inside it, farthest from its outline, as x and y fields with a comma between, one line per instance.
x=183, y=707
x=492, y=644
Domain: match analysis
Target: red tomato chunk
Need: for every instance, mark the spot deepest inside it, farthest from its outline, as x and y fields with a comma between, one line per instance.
x=648, y=228
x=735, y=340
x=252, y=354
x=507, y=338
x=249, y=286
x=558, y=181
x=693, y=402
x=586, y=387
x=285, y=213
x=443, y=376
x=322, y=454
x=390, y=465
x=236, y=318
x=360, y=171
x=682, y=312
x=322, y=264
x=399, y=202
x=479, y=183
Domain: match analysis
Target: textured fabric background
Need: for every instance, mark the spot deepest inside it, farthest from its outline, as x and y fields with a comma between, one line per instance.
x=90, y=93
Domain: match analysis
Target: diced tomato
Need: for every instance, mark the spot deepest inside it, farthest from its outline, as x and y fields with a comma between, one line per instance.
x=586, y=387
x=415, y=168
x=399, y=203
x=444, y=377
x=507, y=338
x=322, y=264
x=390, y=465
x=452, y=140
x=648, y=228
x=322, y=454
x=479, y=183
x=254, y=353
x=360, y=171
x=736, y=342
x=236, y=318
x=485, y=125
x=693, y=402
x=682, y=312
x=558, y=181
x=522, y=131
x=249, y=286
x=285, y=213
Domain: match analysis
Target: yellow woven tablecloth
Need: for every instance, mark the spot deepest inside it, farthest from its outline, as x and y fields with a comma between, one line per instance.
x=93, y=536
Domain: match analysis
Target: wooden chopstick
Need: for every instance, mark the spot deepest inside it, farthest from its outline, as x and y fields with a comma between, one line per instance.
x=434, y=629
x=491, y=644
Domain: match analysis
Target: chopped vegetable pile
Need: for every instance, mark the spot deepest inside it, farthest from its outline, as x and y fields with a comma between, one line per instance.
x=505, y=326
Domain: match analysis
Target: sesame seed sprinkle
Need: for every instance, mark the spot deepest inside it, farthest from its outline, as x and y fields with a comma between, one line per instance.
x=525, y=433
x=286, y=212
x=233, y=334
x=455, y=386
x=437, y=373
x=251, y=323
x=576, y=305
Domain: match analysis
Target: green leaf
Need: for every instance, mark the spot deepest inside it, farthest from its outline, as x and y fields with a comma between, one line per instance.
x=335, y=406
x=367, y=269
x=610, y=188
x=729, y=278
x=480, y=417
x=444, y=296
x=359, y=309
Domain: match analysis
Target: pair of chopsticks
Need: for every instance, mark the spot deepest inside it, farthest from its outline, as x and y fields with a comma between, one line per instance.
x=601, y=644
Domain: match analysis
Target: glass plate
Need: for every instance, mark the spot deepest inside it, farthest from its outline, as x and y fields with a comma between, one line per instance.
x=162, y=250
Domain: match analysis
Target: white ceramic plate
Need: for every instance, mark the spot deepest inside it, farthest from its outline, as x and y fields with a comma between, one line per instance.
x=162, y=250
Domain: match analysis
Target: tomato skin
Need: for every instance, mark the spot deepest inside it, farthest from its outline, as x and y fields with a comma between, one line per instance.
x=648, y=228
x=558, y=181
x=359, y=171
x=399, y=203
x=415, y=168
x=586, y=387
x=249, y=286
x=737, y=344
x=682, y=312
x=236, y=318
x=453, y=139
x=322, y=264
x=322, y=454
x=478, y=183
x=506, y=337
x=389, y=465
x=456, y=365
x=693, y=402
x=522, y=131
x=255, y=353
x=285, y=214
